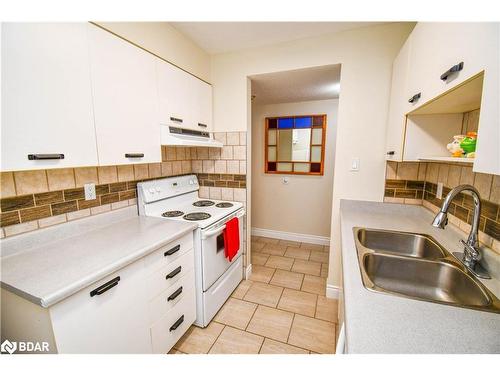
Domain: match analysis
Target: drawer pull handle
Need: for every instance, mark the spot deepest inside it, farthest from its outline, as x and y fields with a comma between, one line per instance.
x=174, y=273
x=134, y=155
x=105, y=287
x=175, y=119
x=453, y=69
x=177, y=324
x=45, y=156
x=391, y=153
x=172, y=251
x=202, y=125
x=175, y=294
x=414, y=98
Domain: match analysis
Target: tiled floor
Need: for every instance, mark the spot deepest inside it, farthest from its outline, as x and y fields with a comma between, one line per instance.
x=282, y=309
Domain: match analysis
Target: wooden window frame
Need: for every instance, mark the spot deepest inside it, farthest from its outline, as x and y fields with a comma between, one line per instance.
x=323, y=146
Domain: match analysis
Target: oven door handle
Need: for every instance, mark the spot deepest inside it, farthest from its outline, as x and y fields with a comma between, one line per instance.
x=214, y=232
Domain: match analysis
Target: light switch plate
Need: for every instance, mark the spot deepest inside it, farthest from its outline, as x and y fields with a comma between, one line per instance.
x=355, y=164
x=89, y=191
x=439, y=191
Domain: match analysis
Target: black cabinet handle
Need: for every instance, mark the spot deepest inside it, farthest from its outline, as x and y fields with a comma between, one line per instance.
x=414, y=98
x=105, y=287
x=177, y=324
x=175, y=294
x=453, y=69
x=134, y=155
x=391, y=152
x=175, y=119
x=202, y=125
x=172, y=251
x=174, y=273
x=45, y=156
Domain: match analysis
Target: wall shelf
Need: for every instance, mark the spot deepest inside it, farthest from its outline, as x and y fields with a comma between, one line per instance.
x=447, y=159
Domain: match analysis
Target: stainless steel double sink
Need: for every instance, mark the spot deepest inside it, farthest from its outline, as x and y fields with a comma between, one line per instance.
x=416, y=266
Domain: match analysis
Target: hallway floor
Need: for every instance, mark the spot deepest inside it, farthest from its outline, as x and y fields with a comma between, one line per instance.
x=282, y=309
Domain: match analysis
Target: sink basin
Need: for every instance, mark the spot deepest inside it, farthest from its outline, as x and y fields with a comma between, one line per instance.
x=422, y=279
x=402, y=243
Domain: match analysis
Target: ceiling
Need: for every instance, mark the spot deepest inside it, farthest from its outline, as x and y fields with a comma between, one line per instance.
x=318, y=83
x=218, y=37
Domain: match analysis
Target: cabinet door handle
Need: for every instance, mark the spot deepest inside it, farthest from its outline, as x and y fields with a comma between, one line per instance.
x=134, y=155
x=45, y=156
x=105, y=287
x=202, y=125
x=414, y=98
x=453, y=69
x=175, y=294
x=175, y=119
x=177, y=324
x=174, y=273
x=391, y=152
x=172, y=250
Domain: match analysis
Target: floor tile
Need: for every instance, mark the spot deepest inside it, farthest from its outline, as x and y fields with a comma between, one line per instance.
x=276, y=347
x=234, y=341
x=269, y=240
x=261, y=273
x=241, y=289
x=327, y=309
x=292, y=280
x=324, y=270
x=273, y=249
x=264, y=294
x=175, y=351
x=314, y=284
x=283, y=263
x=257, y=246
x=312, y=334
x=298, y=253
x=298, y=302
x=319, y=256
x=271, y=323
x=199, y=340
x=305, y=266
x=289, y=243
x=259, y=259
x=236, y=313
x=311, y=246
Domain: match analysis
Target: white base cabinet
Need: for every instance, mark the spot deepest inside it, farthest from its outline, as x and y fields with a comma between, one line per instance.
x=46, y=96
x=144, y=307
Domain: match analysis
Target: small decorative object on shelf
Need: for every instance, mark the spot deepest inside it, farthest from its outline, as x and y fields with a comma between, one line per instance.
x=468, y=144
x=454, y=147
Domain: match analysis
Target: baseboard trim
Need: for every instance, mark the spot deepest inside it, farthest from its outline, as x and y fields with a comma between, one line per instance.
x=299, y=237
x=248, y=272
x=332, y=291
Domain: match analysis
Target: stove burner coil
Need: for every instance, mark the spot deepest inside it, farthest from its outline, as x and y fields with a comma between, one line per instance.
x=224, y=205
x=203, y=203
x=194, y=216
x=172, y=213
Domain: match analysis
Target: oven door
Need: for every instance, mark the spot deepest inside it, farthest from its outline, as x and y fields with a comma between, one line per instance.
x=214, y=261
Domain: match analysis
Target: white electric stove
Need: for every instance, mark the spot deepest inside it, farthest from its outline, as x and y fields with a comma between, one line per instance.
x=176, y=198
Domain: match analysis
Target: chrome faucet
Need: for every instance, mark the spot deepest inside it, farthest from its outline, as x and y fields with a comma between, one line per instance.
x=471, y=255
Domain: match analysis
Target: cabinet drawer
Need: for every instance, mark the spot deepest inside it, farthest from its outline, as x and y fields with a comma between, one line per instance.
x=165, y=301
x=168, y=253
x=110, y=316
x=170, y=328
x=167, y=276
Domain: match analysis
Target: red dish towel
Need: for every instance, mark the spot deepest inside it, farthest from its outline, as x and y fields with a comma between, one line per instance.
x=232, y=238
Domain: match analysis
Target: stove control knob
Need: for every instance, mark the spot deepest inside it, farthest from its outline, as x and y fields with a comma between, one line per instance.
x=191, y=182
x=152, y=191
x=158, y=190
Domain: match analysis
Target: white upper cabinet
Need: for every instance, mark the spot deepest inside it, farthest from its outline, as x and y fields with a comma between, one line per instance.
x=125, y=100
x=46, y=96
x=184, y=100
x=399, y=104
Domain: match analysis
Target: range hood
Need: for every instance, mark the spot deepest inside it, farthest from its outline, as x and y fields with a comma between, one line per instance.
x=172, y=136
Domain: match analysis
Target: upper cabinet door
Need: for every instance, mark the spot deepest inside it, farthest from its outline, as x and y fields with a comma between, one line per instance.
x=399, y=104
x=184, y=100
x=46, y=96
x=437, y=47
x=125, y=100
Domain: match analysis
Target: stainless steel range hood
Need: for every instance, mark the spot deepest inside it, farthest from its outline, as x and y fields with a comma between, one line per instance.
x=172, y=136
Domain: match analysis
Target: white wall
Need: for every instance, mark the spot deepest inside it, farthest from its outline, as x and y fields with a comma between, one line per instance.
x=298, y=207
x=165, y=41
x=366, y=55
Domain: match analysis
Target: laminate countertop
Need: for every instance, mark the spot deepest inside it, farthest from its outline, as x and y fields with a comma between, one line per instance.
x=51, y=264
x=382, y=323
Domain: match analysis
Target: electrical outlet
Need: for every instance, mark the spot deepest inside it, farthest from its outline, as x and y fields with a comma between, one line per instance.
x=89, y=191
x=439, y=191
x=286, y=180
